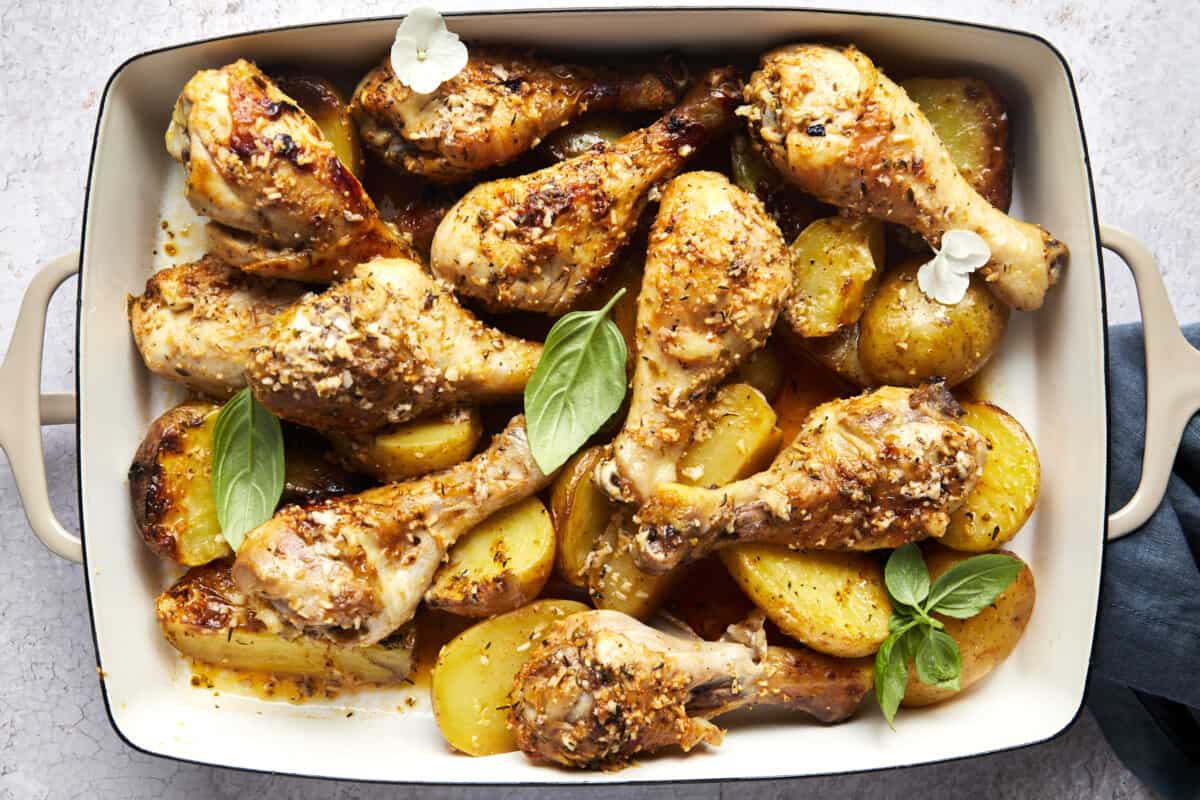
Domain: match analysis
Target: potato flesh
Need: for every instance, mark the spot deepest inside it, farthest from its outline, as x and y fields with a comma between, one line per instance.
x=580, y=511
x=321, y=100
x=835, y=262
x=425, y=445
x=473, y=678
x=499, y=565
x=1005, y=495
x=739, y=439
x=595, y=131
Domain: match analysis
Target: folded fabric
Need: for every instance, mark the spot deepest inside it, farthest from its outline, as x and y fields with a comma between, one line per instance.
x=1144, y=689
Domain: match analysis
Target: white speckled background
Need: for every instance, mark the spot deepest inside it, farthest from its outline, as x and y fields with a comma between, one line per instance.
x=1135, y=63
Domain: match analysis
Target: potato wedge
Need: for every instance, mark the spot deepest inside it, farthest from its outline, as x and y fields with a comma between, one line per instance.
x=836, y=263
x=985, y=639
x=905, y=337
x=580, y=512
x=1003, y=499
x=415, y=448
x=614, y=581
x=206, y=617
x=499, y=565
x=592, y=131
x=970, y=118
x=835, y=603
x=738, y=438
x=321, y=100
x=473, y=677
x=764, y=371
x=838, y=353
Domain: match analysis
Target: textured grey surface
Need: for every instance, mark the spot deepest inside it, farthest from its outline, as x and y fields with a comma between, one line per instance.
x=1135, y=64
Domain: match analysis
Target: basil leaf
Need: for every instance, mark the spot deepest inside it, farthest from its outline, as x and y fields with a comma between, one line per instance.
x=906, y=576
x=900, y=620
x=938, y=660
x=972, y=585
x=578, y=384
x=247, y=466
x=891, y=674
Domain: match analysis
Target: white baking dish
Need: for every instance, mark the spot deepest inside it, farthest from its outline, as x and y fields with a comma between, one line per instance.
x=1050, y=374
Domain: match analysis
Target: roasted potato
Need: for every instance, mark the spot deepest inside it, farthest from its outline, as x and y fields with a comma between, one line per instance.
x=836, y=263
x=985, y=639
x=321, y=100
x=580, y=512
x=838, y=353
x=498, y=565
x=473, y=677
x=208, y=618
x=594, y=130
x=614, y=581
x=404, y=451
x=311, y=470
x=737, y=438
x=835, y=603
x=764, y=371
x=905, y=337
x=1003, y=499
x=970, y=118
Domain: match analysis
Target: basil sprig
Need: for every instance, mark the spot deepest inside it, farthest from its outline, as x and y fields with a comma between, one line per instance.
x=578, y=384
x=247, y=466
x=960, y=592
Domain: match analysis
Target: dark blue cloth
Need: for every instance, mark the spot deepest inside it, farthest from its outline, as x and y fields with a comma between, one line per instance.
x=1145, y=683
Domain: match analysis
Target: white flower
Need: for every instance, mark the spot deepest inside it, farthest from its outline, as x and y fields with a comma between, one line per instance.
x=425, y=54
x=947, y=275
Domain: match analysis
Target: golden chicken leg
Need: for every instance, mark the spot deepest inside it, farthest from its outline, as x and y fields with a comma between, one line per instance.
x=716, y=277
x=384, y=346
x=875, y=471
x=540, y=241
x=841, y=130
x=601, y=687
x=499, y=106
x=354, y=568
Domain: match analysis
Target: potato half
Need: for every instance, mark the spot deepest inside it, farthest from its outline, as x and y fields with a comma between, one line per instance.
x=400, y=452
x=499, y=565
x=473, y=678
x=836, y=264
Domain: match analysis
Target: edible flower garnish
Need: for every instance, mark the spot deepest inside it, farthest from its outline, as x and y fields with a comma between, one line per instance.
x=426, y=54
x=947, y=275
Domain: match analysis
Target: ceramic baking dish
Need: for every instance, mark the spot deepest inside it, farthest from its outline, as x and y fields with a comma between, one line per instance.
x=1050, y=374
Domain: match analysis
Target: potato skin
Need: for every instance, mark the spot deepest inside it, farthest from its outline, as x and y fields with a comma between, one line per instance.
x=580, y=512
x=985, y=639
x=836, y=262
x=411, y=449
x=905, y=337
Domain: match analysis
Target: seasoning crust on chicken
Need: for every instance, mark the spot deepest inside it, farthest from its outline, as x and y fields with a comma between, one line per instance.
x=874, y=471
x=838, y=128
x=541, y=241
x=354, y=568
x=281, y=202
x=502, y=104
x=383, y=347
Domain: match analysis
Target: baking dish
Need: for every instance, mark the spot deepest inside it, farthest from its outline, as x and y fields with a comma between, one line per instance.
x=1050, y=374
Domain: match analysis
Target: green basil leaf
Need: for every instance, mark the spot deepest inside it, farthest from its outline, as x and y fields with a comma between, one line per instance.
x=578, y=384
x=906, y=576
x=909, y=644
x=247, y=466
x=972, y=585
x=891, y=675
x=900, y=620
x=937, y=659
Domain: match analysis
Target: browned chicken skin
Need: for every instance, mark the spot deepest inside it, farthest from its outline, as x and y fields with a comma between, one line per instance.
x=499, y=106
x=354, y=568
x=601, y=687
x=841, y=130
x=717, y=274
x=874, y=471
x=539, y=242
x=280, y=200
x=384, y=346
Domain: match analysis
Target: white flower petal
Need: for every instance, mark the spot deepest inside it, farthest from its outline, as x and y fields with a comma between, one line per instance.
x=942, y=285
x=449, y=53
x=425, y=53
x=422, y=25
x=967, y=250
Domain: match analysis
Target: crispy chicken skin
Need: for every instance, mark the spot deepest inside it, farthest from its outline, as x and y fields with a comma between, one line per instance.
x=198, y=323
x=354, y=568
x=501, y=105
x=874, y=471
x=539, y=242
x=280, y=200
x=601, y=687
x=384, y=346
x=841, y=130
x=717, y=274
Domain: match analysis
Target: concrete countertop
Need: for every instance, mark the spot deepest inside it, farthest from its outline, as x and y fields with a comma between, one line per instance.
x=1135, y=64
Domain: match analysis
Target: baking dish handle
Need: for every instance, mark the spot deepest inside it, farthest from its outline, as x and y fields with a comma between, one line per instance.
x=24, y=409
x=1172, y=382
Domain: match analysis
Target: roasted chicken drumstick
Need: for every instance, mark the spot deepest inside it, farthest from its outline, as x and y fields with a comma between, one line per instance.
x=717, y=274
x=280, y=200
x=383, y=347
x=539, y=242
x=841, y=130
x=499, y=106
x=354, y=568
x=601, y=687
x=875, y=471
